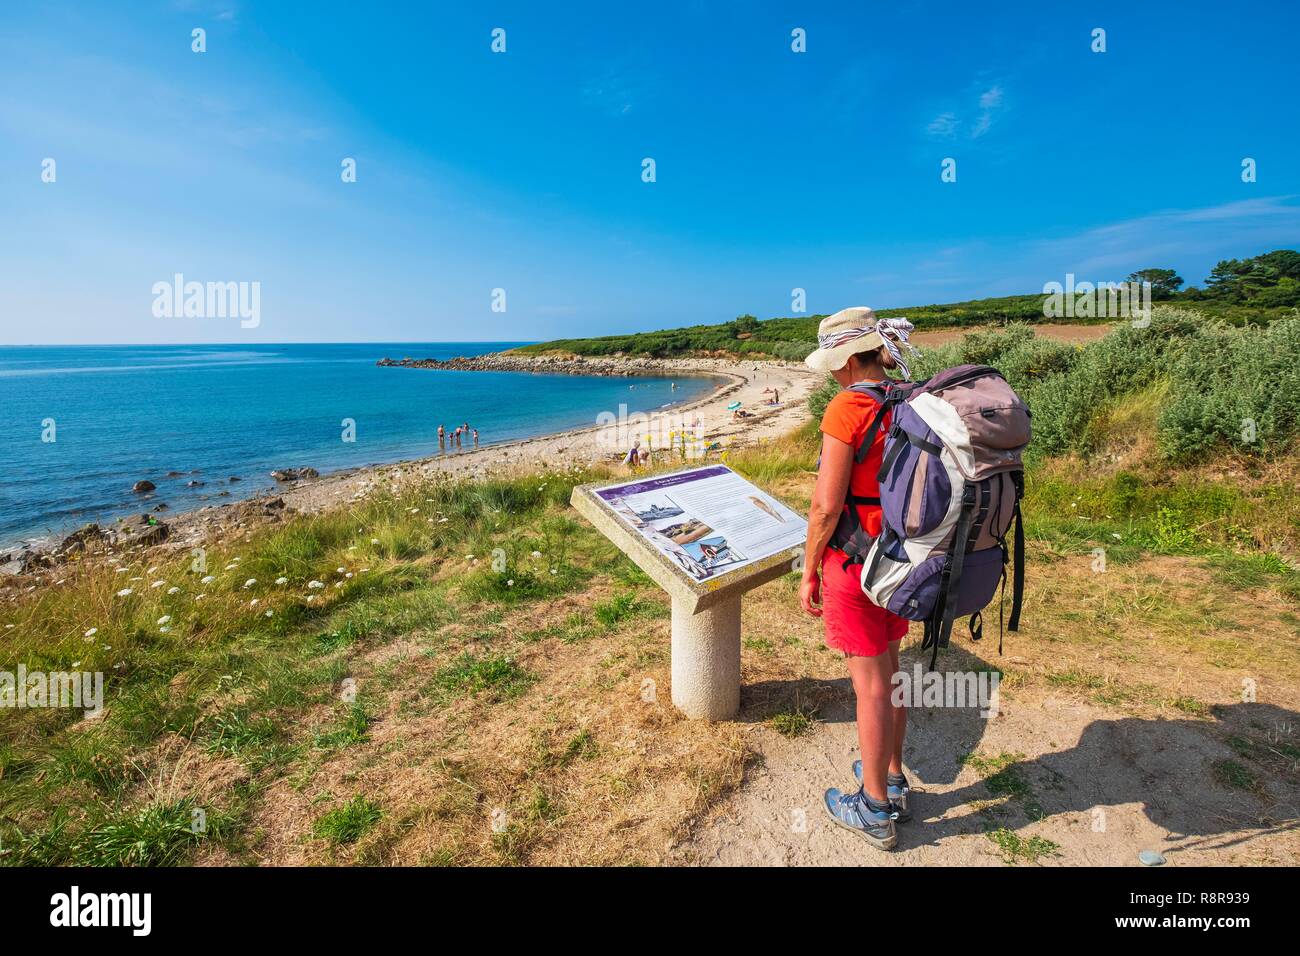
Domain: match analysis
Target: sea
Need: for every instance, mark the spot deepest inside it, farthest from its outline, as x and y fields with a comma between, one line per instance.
x=80, y=425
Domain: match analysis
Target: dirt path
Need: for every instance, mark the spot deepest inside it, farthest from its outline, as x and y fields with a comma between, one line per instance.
x=1108, y=788
x=1102, y=748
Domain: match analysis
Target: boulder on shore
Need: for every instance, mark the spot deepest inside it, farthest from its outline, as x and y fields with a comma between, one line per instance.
x=294, y=474
x=82, y=540
x=142, y=530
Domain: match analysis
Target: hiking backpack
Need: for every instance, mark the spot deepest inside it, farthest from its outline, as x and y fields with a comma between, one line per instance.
x=951, y=481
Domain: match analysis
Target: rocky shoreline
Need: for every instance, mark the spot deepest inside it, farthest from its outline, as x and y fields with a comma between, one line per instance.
x=613, y=366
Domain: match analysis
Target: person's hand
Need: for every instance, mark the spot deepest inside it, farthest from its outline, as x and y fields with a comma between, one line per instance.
x=810, y=593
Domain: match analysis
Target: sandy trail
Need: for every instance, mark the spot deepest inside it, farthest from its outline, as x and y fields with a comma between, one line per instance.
x=1100, y=786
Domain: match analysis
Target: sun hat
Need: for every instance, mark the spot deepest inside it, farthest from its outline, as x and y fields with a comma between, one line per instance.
x=854, y=330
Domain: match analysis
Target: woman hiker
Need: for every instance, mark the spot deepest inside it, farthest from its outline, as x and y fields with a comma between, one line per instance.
x=858, y=349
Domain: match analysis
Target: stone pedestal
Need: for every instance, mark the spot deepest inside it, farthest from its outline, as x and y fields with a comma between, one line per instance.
x=706, y=659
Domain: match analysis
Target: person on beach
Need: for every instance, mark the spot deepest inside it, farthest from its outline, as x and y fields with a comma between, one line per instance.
x=442, y=438
x=475, y=437
x=633, y=456
x=857, y=348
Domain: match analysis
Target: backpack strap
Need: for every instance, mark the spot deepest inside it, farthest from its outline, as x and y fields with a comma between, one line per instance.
x=1018, y=557
x=945, y=608
x=897, y=449
x=849, y=535
x=881, y=394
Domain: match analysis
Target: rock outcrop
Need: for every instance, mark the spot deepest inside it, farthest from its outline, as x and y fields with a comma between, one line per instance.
x=294, y=474
x=544, y=364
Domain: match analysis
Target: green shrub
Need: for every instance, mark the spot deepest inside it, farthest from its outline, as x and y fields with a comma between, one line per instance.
x=821, y=397
x=793, y=351
x=1234, y=387
x=1126, y=359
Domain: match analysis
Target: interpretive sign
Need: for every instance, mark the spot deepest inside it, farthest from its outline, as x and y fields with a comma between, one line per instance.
x=706, y=536
x=710, y=521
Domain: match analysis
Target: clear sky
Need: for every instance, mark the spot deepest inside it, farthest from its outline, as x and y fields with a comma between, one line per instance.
x=522, y=170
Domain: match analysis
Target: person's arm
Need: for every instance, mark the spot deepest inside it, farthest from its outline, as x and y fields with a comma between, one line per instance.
x=824, y=514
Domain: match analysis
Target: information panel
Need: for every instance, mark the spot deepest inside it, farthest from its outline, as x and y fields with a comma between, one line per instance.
x=709, y=521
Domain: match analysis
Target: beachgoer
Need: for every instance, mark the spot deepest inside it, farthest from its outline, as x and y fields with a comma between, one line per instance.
x=633, y=456
x=475, y=437
x=854, y=347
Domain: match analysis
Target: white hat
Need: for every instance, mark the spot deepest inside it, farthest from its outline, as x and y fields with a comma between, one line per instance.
x=854, y=330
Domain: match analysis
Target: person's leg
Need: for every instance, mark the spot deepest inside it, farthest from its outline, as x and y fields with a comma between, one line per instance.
x=872, y=686
x=900, y=717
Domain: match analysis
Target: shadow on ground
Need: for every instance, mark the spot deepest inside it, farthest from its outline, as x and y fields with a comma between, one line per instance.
x=1059, y=766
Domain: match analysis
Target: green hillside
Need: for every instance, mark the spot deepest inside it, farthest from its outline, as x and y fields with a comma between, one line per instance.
x=1253, y=291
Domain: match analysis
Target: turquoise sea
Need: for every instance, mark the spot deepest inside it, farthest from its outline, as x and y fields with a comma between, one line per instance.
x=119, y=414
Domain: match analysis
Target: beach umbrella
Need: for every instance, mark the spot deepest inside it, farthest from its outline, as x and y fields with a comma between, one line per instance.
x=733, y=406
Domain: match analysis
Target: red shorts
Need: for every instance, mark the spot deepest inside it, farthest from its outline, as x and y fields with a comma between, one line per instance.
x=854, y=624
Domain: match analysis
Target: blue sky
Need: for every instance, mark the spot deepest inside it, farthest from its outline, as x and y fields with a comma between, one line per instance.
x=522, y=170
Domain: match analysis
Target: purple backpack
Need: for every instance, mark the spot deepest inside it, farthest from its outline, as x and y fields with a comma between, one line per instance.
x=951, y=480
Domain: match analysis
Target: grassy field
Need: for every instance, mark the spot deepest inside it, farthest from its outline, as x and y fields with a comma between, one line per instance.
x=462, y=673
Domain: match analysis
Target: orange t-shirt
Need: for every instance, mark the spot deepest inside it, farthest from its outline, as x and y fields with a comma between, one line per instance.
x=847, y=417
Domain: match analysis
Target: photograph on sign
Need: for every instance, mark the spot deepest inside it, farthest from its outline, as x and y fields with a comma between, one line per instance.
x=707, y=520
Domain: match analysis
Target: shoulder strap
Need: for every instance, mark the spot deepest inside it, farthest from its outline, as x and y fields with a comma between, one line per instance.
x=887, y=397
x=946, y=607
x=1018, y=558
